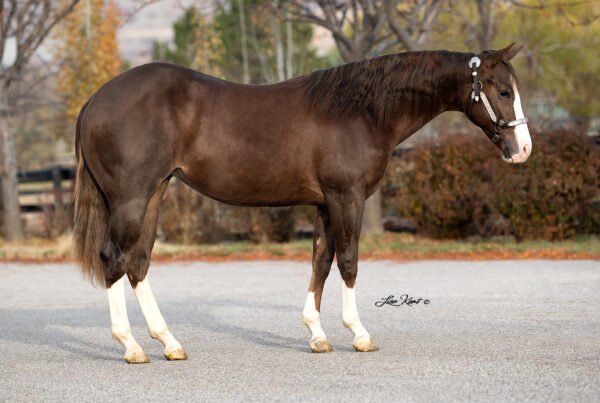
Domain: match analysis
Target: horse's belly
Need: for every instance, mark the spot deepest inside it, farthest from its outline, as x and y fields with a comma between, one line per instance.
x=242, y=185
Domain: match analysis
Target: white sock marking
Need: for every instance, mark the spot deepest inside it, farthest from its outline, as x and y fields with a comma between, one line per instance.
x=155, y=321
x=350, y=317
x=119, y=322
x=312, y=319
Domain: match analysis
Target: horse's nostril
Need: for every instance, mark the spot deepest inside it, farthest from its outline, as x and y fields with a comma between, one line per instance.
x=524, y=149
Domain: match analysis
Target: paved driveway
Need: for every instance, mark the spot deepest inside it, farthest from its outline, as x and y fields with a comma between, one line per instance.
x=493, y=331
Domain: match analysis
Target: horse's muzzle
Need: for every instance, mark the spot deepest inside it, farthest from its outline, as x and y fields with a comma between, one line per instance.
x=517, y=158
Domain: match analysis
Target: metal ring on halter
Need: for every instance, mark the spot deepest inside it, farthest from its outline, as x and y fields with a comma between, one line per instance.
x=475, y=92
x=499, y=127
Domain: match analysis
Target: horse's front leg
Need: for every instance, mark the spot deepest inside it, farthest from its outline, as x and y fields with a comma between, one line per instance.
x=156, y=324
x=345, y=211
x=323, y=252
x=119, y=324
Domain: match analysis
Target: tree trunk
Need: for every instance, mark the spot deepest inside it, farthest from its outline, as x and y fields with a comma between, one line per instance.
x=278, y=50
x=289, y=66
x=13, y=230
x=372, y=222
x=243, y=38
x=485, y=8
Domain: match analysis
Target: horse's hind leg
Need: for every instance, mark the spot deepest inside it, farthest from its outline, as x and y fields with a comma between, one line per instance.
x=323, y=252
x=119, y=324
x=156, y=324
x=137, y=272
x=122, y=236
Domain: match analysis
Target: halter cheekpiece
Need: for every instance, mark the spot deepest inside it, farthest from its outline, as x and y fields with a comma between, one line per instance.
x=477, y=93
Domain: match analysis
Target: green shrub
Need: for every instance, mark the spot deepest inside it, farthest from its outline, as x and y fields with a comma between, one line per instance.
x=460, y=187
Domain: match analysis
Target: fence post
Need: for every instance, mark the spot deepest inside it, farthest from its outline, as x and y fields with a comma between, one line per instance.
x=57, y=184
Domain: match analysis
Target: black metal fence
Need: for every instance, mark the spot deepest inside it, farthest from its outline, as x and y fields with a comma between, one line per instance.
x=57, y=174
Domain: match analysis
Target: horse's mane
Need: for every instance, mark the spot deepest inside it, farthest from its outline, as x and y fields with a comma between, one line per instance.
x=383, y=86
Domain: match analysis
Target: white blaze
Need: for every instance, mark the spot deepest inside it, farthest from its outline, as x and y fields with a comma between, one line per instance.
x=522, y=136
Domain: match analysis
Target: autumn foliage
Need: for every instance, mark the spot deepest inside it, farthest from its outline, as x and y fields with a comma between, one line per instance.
x=87, y=52
x=460, y=187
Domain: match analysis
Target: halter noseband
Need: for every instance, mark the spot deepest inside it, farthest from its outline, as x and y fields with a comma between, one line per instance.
x=499, y=124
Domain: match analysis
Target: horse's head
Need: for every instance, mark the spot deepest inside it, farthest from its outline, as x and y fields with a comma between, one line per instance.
x=495, y=104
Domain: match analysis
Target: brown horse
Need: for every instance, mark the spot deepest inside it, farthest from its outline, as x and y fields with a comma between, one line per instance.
x=323, y=139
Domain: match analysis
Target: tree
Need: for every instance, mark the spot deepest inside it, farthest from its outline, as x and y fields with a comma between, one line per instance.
x=413, y=22
x=29, y=22
x=198, y=44
x=87, y=52
x=560, y=58
x=214, y=44
x=364, y=29
x=265, y=44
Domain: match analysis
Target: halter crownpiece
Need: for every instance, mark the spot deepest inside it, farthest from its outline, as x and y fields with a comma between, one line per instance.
x=499, y=124
x=474, y=63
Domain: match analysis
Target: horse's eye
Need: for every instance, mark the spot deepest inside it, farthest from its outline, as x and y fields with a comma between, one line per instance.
x=505, y=94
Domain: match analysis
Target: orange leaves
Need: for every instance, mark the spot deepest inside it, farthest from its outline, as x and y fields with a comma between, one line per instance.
x=87, y=52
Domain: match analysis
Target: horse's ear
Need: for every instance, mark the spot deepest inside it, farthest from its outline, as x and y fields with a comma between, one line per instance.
x=512, y=51
x=505, y=54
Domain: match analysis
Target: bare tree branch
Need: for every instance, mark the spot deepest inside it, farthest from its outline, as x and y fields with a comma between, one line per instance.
x=403, y=35
x=545, y=4
x=357, y=26
x=137, y=7
x=30, y=22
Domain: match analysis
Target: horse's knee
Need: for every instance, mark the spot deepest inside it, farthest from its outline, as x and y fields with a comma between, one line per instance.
x=348, y=266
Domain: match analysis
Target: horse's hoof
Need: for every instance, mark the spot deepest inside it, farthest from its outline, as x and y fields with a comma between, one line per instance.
x=320, y=346
x=365, y=344
x=136, y=357
x=176, y=354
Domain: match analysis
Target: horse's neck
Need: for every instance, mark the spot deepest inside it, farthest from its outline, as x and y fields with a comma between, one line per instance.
x=442, y=90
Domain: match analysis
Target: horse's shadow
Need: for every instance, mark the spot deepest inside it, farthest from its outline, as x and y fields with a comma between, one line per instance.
x=63, y=328
x=46, y=327
x=205, y=317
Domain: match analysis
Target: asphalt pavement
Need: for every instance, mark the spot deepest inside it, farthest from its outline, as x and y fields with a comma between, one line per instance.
x=492, y=331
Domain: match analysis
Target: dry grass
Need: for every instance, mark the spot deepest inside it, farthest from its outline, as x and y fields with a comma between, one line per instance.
x=387, y=246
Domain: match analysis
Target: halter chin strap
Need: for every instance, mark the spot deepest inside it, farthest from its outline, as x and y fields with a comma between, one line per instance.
x=499, y=124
